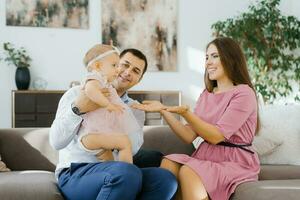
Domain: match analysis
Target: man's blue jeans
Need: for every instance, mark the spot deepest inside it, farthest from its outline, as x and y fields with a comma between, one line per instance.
x=116, y=181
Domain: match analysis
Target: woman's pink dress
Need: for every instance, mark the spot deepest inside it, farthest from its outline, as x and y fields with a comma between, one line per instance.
x=222, y=168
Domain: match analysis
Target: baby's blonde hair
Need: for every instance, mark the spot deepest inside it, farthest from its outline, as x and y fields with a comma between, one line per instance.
x=95, y=51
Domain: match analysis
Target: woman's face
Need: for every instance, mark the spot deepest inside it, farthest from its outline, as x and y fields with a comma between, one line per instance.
x=213, y=65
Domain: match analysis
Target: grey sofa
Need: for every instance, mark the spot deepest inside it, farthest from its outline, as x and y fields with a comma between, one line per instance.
x=28, y=154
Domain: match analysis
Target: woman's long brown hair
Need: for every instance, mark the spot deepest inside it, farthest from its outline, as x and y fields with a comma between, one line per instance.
x=235, y=66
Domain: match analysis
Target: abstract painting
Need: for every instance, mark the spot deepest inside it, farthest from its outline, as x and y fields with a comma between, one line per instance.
x=48, y=13
x=150, y=26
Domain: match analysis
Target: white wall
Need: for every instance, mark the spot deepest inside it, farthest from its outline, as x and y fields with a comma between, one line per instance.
x=57, y=53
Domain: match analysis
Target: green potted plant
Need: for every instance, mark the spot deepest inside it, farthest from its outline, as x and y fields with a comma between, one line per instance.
x=270, y=41
x=19, y=58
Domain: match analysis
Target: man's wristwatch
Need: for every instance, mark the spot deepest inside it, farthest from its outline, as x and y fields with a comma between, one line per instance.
x=76, y=110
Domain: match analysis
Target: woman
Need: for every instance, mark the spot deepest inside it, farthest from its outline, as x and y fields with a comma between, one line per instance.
x=226, y=118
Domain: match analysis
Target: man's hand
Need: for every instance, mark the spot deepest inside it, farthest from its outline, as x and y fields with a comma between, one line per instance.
x=85, y=104
x=150, y=106
x=106, y=156
x=178, y=109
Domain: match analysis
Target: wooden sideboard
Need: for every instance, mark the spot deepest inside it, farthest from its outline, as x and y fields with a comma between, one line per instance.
x=37, y=108
x=34, y=108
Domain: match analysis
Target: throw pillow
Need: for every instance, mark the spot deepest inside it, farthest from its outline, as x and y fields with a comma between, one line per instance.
x=3, y=167
x=264, y=144
x=282, y=121
x=42, y=143
x=18, y=154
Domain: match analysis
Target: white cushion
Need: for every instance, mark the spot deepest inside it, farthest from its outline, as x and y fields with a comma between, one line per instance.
x=280, y=125
x=3, y=167
x=39, y=139
x=265, y=145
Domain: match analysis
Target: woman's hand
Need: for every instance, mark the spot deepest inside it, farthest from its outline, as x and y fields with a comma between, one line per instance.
x=178, y=109
x=150, y=106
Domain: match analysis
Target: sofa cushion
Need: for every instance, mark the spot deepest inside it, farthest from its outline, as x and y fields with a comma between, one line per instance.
x=159, y=138
x=20, y=155
x=282, y=121
x=268, y=189
x=264, y=145
x=279, y=172
x=3, y=167
x=29, y=185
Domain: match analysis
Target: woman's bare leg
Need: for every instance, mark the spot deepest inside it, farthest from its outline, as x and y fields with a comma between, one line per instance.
x=191, y=185
x=173, y=167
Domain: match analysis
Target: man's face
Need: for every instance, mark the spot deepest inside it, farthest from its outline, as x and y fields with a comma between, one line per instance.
x=131, y=69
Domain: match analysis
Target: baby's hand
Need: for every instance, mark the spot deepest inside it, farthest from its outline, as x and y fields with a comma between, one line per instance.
x=115, y=108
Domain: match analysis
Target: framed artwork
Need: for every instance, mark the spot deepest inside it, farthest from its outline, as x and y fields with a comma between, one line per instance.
x=150, y=26
x=48, y=13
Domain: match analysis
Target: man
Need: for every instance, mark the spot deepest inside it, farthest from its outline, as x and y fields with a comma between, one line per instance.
x=136, y=63
x=80, y=175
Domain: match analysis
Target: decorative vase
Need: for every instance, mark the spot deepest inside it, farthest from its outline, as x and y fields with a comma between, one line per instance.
x=22, y=78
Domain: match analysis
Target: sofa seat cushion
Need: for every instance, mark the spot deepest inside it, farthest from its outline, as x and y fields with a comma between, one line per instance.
x=279, y=172
x=268, y=189
x=161, y=138
x=29, y=185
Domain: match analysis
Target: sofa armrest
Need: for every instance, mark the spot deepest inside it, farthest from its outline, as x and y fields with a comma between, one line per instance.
x=162, y=138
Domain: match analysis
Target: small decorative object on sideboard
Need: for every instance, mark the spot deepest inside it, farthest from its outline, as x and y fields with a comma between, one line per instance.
x=19, y=58
x=39, y=83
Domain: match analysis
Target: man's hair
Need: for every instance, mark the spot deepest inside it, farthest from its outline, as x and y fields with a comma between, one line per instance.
x=138, y=54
